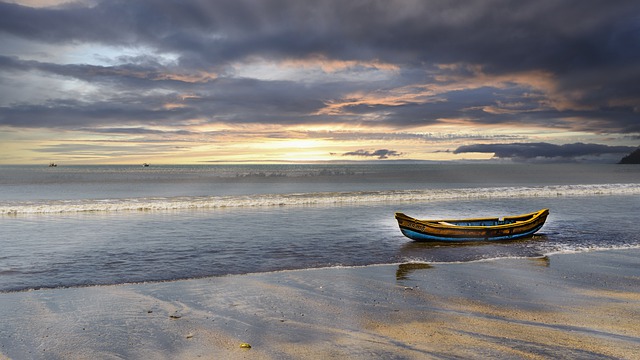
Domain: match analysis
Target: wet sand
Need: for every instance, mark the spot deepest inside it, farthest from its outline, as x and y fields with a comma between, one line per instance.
x=567, y=306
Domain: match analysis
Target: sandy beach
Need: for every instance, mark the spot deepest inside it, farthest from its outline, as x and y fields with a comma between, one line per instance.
x=570, y=306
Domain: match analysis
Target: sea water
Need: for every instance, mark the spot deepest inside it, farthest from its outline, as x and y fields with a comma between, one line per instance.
x=97, y=225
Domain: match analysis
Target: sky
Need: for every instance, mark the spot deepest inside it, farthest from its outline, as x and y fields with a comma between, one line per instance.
x=279, y=81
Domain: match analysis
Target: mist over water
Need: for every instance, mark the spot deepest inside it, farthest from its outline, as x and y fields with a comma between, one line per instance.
x=213, y=221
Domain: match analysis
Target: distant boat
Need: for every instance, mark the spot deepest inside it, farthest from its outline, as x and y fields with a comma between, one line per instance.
x=52, y=164
x=145, y=165
x=481, y=229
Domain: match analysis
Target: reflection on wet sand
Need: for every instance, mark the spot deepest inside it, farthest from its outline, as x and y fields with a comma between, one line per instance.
x=405, y=269
x=443, y=252
x=541, y=261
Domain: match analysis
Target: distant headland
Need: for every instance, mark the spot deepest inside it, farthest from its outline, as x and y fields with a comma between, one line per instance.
x=633, y=158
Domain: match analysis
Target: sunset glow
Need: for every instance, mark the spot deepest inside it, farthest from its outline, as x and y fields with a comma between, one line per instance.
x=329, y=81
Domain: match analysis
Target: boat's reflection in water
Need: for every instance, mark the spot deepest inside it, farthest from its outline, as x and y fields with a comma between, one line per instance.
x=422, y=255
x=405, y=269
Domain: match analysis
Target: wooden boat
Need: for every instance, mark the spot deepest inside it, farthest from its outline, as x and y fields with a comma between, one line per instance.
x=482, y=229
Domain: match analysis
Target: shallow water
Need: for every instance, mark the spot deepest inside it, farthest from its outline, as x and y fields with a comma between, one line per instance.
x=50, y=239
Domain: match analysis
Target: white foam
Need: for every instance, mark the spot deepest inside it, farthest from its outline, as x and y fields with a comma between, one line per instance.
x=590, y=248
x=302, y=199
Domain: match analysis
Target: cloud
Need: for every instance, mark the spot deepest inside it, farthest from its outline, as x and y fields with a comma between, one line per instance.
x=151, y=72
x=529, y=151
x=380, y=154
x=374, y=66
x=136, y=131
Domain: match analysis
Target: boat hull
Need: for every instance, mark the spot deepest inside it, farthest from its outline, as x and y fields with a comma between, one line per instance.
x=466, y=230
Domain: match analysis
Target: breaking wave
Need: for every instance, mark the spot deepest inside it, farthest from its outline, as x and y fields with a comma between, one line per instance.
x=305, y=199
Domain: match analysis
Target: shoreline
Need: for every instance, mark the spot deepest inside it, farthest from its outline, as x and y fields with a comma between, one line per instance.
x=579, y=305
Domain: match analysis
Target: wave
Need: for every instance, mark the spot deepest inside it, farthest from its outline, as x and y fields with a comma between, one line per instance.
x=563, y=250
x=541, y=254
x=305, y=199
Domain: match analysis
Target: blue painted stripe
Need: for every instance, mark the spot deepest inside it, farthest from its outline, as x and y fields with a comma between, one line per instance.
x=418, y=236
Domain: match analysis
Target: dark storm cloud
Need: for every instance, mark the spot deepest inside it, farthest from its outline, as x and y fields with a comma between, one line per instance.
x=134, y=75
x=73, y=114
x=526, y=151
x=226, y=100
x=504, y=33
x=589, y=48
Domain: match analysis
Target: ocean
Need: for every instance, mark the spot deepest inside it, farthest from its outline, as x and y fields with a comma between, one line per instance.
x=70, y=226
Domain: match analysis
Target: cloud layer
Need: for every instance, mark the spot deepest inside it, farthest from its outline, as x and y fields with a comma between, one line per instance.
x=377, y=66
x=380, y=153
x=545, y=151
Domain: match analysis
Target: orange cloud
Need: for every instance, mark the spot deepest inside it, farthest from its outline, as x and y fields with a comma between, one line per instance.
x=465, y=76
x=191, y=77
x=417, y=94
x=195, y=77
x=461, y=77
x=331, y=65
